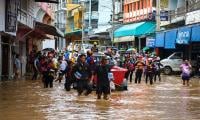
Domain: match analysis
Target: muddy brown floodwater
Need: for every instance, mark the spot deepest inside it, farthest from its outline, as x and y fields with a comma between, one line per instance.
x=166, y=100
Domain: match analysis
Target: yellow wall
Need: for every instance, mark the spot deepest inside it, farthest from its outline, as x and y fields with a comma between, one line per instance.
x=74, y=17
x=77, y=19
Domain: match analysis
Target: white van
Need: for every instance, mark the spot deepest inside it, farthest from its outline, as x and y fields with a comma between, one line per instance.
x=173, y=62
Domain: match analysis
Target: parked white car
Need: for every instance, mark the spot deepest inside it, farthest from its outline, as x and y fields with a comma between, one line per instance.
x=173, y=62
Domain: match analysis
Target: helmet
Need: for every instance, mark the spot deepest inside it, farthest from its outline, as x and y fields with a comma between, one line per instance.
x=95, y=43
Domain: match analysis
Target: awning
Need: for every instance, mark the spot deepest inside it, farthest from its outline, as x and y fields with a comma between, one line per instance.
x=170, y=39
x=73, y=32
x=136, y=29
x=48, y=29
x=195, y=37
x=160, y=39
x=124, y=39
x=72, y=6
x=12, y=34
x=183, y=35
x=47, y=1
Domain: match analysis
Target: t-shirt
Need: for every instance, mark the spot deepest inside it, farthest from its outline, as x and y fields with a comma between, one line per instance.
x=63, y=65
x=185, y=69
x=17, y=63
x=139, y=65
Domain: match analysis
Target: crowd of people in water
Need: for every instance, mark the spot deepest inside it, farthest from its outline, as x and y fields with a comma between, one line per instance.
x=84, y=74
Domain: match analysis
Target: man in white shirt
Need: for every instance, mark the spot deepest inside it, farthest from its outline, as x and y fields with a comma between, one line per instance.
x=62, y=69
x=17, y=67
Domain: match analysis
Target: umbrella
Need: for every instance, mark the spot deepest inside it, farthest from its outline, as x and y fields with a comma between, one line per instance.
x=48, y=49
x=145, y=48
x=131, y=50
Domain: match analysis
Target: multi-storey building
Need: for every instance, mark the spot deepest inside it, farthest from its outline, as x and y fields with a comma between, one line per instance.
x=73, y=31
x=139, y=24
x=102, y=24
x=181, y=32
x=61, y=21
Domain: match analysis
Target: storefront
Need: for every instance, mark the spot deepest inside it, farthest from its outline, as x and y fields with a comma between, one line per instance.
x=134, y=35
x=184, y=39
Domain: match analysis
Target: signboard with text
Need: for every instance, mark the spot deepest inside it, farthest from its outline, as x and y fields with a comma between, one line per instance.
x=183, y=35
x=47, y=1
x=150, y=42
x=192, y=17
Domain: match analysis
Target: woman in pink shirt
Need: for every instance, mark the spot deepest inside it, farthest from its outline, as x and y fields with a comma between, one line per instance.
x=185, y=68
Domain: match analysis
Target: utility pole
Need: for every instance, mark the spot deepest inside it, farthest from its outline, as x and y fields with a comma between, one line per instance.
x=90, y=14
x=113, y=15
x=158, y=15
x=83, y=24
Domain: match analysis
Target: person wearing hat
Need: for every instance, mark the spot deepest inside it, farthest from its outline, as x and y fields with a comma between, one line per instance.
x=82, y=73
x=103, y=82
x=94, y=48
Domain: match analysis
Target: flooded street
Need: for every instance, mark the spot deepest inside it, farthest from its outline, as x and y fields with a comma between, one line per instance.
x=166, y=100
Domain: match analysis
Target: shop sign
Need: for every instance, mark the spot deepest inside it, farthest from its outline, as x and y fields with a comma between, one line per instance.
x=150, y=42
x=192, y=17
x=183, y=36
x=163, y=15
x=47, y=1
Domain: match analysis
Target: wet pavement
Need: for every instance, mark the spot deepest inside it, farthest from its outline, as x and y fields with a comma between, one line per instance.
x=166, y=100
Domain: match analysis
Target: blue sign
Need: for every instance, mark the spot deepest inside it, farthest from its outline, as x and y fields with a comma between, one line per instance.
x=150, y=42
x=183, y=36
x=163, y=15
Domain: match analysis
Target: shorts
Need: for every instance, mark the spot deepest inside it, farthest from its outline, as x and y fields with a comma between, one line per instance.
x=185, y=77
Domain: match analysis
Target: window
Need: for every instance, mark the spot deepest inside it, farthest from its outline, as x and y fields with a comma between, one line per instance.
x=130, y=7
x=24, y=5
x=177, y=56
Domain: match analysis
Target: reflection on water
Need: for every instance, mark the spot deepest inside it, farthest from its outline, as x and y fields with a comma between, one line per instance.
x=25, y=99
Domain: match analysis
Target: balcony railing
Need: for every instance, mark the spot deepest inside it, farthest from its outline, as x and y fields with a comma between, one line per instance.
x=25, y=18
x=182, y=11
x=94, y=15
x=60, y=25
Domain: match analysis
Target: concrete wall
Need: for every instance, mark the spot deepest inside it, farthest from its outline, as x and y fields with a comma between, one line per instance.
x=105, y=11
x=2, y=28
x=172, y=4
x=2, y=15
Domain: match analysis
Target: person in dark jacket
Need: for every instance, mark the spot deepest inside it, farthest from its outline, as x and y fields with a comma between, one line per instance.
x=157, y=70
x=149, y=71
x=50, y=72
x=103, y=82
x=139, y=66
x=83, y=74
x=69, y=79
